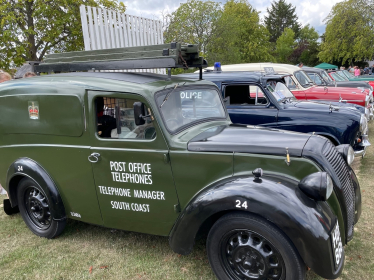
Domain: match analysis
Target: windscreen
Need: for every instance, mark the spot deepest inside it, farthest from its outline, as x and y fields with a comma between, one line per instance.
x=181, y=107
x=326, y=77
x=303, y=79
x=347, y=74
x=280, y=91
x=338, y=77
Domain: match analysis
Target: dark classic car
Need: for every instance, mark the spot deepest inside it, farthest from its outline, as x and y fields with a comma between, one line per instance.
x=254, y=98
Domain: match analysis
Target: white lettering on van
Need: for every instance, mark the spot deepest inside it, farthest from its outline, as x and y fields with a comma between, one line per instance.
x=132, y=172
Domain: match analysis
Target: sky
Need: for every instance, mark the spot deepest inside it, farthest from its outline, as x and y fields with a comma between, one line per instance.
x=312, y=12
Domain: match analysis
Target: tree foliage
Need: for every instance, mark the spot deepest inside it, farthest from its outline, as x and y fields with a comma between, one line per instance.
x=285, y=45
x=32, y=28
x=192, y=23
x=307, y=47
x=308, y=34
x=238, y=35
x=349, y=32
x=281, y=16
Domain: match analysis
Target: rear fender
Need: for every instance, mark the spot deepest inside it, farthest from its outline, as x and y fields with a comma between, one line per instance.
x=25, y=167
x=305, y=222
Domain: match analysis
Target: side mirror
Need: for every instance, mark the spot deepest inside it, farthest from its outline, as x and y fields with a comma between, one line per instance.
x=139, y=113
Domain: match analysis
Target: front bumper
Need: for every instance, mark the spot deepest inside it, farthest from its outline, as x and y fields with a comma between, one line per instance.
x=362, y=152
x=360, y=148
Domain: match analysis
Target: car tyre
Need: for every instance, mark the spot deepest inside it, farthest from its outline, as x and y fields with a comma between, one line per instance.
x=35, y=210
x=242, y=246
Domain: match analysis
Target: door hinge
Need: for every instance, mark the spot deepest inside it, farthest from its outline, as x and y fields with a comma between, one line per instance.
x=177, y=208
x=166, y=158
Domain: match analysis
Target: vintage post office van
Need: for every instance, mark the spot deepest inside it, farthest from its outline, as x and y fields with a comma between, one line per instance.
x=158, y=154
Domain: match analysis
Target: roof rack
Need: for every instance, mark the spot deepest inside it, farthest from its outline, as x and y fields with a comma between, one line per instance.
x=173, y=55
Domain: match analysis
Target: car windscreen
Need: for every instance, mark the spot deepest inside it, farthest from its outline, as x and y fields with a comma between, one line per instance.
x=347, y=74
x=303, y=79
x=280, y=91
x=181, y=107
x=326, y=77
x=338, y=77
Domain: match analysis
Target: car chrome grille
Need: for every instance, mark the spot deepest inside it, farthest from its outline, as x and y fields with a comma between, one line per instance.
x=341, y=169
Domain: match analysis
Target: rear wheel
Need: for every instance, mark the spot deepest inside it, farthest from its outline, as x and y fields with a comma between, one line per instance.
x=35, y=210
x=242, y=246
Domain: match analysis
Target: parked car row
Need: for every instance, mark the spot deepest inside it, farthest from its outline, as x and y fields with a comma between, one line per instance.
x=245, y=159
x=253, y=98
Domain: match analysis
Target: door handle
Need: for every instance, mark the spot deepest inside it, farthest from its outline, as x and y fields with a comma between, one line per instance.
x=94, y=157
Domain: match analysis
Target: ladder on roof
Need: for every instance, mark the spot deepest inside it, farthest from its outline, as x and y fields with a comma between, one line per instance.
x=173, y=55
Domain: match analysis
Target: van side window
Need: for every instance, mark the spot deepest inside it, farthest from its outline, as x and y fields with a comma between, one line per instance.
x=115, y=120
x=245, y=95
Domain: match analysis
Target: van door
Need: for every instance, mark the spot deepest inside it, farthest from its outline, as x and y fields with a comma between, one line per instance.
x=131, y=166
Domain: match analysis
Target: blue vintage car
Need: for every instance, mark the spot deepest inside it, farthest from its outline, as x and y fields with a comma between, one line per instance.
x=262, y=99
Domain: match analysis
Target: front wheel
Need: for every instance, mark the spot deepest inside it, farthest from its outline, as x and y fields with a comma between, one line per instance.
x=242, y=246
x=35, y=209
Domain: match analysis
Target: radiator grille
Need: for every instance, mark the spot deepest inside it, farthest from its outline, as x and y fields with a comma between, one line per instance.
x=341, y=169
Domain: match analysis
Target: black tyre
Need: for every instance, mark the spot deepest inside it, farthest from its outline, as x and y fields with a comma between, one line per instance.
x=242, y=246
x=35, y=210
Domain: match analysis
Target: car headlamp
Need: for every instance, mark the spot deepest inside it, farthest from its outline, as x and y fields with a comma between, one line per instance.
x=363, y=124
x=318, y=186
x=347, y=152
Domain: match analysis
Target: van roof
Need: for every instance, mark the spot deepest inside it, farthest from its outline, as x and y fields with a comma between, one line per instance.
x=141, y=83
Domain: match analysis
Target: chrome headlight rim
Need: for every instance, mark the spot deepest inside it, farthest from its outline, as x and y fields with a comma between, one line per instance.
x=347, y=153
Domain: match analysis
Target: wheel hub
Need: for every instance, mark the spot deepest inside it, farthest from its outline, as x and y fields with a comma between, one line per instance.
x=248, y=255
x=38, y=208
x=248, y=259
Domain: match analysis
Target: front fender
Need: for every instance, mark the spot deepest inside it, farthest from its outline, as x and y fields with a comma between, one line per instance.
x=307, y=223
x=25, y=167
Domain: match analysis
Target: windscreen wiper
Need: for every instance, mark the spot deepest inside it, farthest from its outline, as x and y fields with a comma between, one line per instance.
x=167, y=95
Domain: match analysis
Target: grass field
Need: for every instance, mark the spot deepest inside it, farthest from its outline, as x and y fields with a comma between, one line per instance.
x=90, y=252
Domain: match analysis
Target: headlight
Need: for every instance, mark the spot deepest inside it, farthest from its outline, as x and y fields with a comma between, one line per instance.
x=363, y=124
x=347, y=152
x=317, y=185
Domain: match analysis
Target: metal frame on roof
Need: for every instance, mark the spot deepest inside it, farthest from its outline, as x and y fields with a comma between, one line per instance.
x=173, y=55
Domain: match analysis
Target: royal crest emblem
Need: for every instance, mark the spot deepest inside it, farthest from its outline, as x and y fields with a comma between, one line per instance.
x=33, y=110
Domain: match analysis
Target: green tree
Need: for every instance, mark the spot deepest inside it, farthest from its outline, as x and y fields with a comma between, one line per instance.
x=192, y=23
x=32, y=28
x=307, y=47
x=285, y=45
x=280, y=16
x=238, y=35
x=308, y=34
x=349, y=32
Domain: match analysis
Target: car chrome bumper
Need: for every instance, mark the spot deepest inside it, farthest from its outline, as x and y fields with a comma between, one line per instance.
x=364, y=145
x=360, y=152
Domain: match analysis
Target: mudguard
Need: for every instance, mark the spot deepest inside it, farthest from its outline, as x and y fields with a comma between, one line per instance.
x=306, y=222
x=25, y=167
x=356, y=185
